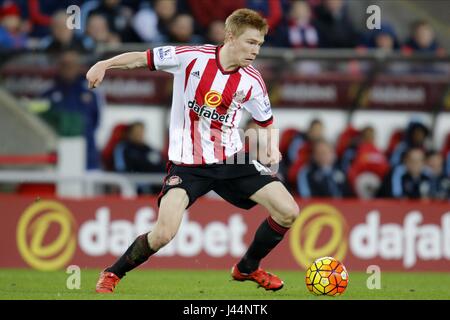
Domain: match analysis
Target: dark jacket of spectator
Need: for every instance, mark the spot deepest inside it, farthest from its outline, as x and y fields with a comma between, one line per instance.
x=137, y=157
x=399, y=183
x=440, y=187
x=335, y=30
x=75, y=111
x=381, y=38
x=422, y=39
x=415, y=137
x=133, y=154
x=412, y=44
x=314, y=181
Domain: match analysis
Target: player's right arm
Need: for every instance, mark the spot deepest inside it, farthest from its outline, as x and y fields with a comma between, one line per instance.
x=129, y=60
x=161, y=58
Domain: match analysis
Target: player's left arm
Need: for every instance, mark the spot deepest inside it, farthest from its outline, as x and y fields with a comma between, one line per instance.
x=260, y=109
x=268, y=142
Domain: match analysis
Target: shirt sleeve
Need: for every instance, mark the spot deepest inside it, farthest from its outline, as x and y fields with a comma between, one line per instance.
x=259, y=107
x=164, y=59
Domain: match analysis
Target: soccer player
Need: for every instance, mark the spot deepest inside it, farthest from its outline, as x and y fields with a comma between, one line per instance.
x=212, y=86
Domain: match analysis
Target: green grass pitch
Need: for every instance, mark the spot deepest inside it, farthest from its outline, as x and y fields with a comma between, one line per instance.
x=213, y=285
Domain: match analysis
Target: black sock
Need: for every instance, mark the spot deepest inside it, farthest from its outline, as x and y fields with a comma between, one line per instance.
x=136, y=254
x=268, y=235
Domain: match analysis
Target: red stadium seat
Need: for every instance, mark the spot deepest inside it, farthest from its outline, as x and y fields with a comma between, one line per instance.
x=345, y=139
x=286, y=138
x=367, y=170
x=303, y=156
x=116, y=136
x=446, y=146
x=396, y=137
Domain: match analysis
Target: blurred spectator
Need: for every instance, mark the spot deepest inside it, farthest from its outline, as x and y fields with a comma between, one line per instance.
x=216, y=32
x=446, y=154
x=384, y=38
x=351, y=149
x=118, y=18
x=321, y=177
x=440, y=182
x=359, y=141
x=272, y=11
x=299, y=151
x=301, y=146
x=97, y=29
x=63, y=38
x=133, y=155
x=181, y=30
x=207, y=11
x=39, y=14
x=408, y=180
x=346, y=146
x=415, y=137
x=74, y=109
x=334, y=25
x=151, y=23
x=117, y=135
x=13, y=31
x=368, y=166
x=368, y=135
x=422, y=39
x=166, y=11
x=300, y=31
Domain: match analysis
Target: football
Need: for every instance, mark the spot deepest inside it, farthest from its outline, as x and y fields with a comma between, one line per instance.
x=326, y=276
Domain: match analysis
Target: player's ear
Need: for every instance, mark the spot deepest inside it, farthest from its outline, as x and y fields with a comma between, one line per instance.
x=229, y=37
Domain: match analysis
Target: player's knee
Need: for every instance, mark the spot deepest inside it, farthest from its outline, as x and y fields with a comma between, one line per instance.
x=289, y=211
x=160, y=239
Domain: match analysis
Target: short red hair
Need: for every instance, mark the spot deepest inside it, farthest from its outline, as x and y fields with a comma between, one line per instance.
x=241, y=19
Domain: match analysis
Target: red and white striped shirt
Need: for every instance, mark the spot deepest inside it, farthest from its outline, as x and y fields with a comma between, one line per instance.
x=207, y=102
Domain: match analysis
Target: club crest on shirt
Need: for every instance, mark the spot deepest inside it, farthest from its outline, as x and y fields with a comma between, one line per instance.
x=173, y=181
x=213, y=99
x=239, y=96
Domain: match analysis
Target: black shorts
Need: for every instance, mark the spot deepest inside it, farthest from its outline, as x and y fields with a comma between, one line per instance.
x=235, y=183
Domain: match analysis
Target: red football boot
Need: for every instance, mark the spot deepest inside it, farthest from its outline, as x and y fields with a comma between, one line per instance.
x=107, y=282
x=264, y=279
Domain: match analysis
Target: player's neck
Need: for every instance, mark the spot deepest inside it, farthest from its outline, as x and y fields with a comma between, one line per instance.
x=227, y=60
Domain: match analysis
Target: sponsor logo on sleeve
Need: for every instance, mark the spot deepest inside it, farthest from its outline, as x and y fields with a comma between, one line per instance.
x=164, y=53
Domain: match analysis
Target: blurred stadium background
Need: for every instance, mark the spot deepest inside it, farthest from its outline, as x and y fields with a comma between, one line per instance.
x=364, y=118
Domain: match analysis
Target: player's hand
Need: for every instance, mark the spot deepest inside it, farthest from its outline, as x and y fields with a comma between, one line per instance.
x=95, y=75
x=275, y=156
